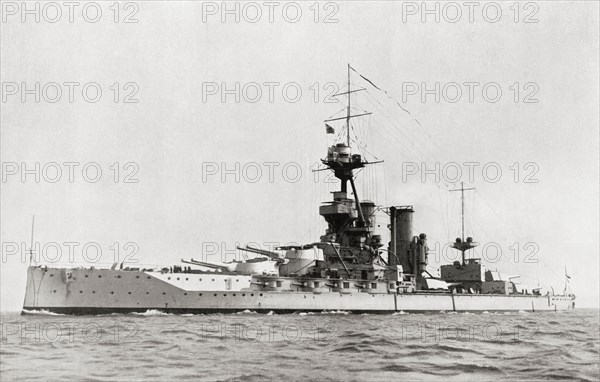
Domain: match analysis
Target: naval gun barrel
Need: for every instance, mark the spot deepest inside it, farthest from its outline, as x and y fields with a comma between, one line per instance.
x=208, y=265
x=271, y=255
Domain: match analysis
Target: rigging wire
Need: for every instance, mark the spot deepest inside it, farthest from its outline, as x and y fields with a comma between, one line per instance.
x=400, y=106
x=516, y=234
x=404, y=142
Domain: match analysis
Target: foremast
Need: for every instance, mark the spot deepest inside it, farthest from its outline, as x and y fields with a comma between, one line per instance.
x=350, y=238
x=350, y=221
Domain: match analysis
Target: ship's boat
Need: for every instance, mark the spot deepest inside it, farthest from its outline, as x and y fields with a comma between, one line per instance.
x=348, y=269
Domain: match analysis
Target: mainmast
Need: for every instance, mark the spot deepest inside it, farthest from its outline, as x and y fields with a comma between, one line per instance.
x=460, y=243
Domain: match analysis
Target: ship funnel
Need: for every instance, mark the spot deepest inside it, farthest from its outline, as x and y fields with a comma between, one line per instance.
x=368, y=210
x=401, y=237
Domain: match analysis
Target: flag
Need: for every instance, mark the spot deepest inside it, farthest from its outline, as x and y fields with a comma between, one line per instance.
x=329, y=129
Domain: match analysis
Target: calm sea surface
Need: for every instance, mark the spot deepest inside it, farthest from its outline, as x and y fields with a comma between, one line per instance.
x=323, y=347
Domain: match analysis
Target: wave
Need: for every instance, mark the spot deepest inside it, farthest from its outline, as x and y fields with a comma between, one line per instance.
x=465, y=368
x=41, y=312
x=247, y=311
x=354, y=348
x=344, y=312
x=397, y=368
x=455, y=349
x=152, y=313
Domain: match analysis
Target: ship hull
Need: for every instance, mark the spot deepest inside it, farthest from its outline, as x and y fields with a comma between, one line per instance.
x=103, y=291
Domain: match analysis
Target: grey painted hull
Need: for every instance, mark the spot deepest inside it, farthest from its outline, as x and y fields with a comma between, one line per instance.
x=98, y=291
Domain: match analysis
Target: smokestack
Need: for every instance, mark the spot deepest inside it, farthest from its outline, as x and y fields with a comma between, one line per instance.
x=401, y=237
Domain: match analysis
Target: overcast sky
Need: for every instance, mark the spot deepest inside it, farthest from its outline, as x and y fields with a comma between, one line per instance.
x=517, y=91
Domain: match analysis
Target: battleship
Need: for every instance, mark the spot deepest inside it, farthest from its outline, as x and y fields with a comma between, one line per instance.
x=348, y=269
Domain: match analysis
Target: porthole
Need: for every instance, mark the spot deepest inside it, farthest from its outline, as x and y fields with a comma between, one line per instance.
x=119, y=276
x=243, y=294
x=186, y=279
x=185, y=294
x=213, y=279
x=80, y=291
x=99, y=276
x=147, y=292
x=199, y=294
x=148, y=277
x=168, y=278
x=164, y=293
x=51, y=274
x=215, y=295
x=252, y=294
x=93, y=292
x=137, y=277
x=87, y=275
x=224, y=294
x=178, y=278
x=237, y=280
x=199, y=279
x=128, y=292
x=260, y=295
x=234, y=295
x=112, y=292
